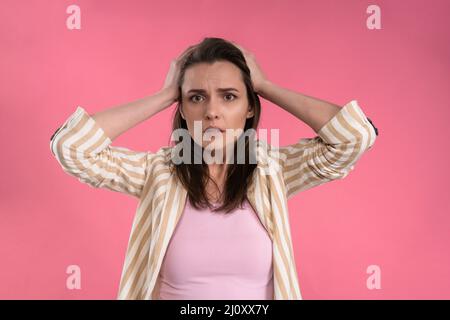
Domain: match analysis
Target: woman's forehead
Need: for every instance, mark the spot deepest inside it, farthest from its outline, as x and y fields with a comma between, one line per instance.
x=214, y=76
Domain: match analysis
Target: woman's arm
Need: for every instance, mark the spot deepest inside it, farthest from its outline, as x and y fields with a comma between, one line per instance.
x=117, y=120
x=344, y=134
x=312, y=111
x=82, y=144
x=331, y=154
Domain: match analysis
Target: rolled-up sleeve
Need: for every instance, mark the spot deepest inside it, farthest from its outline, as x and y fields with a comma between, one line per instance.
x=330, y=155
x=84, y=151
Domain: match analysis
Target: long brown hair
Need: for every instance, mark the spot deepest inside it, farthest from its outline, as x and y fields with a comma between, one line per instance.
x=193, y=175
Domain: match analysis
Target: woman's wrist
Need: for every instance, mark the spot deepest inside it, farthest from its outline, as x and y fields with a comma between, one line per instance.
x=263, y=88
x=167, y=96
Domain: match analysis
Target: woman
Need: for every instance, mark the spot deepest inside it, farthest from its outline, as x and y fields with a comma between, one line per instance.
x=213, y=230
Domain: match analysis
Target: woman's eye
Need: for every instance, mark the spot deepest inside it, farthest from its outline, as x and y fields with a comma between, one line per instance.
x=192, y=98
x=230, y=95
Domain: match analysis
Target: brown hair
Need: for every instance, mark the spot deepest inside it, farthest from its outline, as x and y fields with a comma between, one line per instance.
x=194, y=176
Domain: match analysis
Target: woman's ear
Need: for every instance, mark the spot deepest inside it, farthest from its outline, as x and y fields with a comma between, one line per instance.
x=250, y=112
x=181, y=112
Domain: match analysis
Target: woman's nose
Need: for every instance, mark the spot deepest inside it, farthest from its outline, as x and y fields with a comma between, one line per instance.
x=212, y=111
x=211, y=115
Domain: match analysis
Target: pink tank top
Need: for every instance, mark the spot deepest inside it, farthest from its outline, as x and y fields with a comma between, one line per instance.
x=218, y=256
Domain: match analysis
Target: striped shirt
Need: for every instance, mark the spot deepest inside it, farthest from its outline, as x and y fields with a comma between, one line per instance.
x=84, y=151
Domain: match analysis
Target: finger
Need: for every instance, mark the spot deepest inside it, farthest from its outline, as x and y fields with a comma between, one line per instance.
x=186, y=52
x=190, y=49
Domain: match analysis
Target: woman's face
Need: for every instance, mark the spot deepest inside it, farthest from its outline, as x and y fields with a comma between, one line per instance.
x=214, y=95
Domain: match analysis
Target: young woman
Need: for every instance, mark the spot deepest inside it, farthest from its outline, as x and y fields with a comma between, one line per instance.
x=220, y=229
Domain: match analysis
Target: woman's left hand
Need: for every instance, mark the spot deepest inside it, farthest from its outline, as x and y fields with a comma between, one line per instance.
x=258, y=77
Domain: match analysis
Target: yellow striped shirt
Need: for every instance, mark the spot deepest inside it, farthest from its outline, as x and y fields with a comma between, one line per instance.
x=84, y=151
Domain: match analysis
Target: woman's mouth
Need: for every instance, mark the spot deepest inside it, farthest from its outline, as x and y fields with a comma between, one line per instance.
x=213, y=129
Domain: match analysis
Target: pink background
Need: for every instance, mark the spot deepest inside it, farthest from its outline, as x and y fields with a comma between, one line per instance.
x=391, y=211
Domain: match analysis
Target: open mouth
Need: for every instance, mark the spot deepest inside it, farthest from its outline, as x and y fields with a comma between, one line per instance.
x=213, y=130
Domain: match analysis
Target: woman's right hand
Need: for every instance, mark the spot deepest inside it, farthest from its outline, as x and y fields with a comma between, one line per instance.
x=172, y=77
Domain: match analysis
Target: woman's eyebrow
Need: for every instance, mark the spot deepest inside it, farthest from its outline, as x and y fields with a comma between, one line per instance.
x=218, y=90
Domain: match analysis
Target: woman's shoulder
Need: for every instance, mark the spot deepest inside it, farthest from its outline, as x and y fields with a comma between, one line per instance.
x=162, y=155
x=158, y=160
